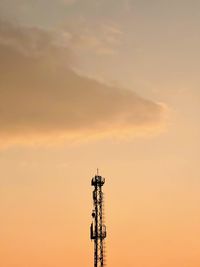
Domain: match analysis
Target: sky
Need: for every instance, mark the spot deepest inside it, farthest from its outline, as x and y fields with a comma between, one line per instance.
x=107, y=84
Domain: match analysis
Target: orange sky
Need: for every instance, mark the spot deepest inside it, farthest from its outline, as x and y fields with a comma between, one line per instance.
x=113, y=85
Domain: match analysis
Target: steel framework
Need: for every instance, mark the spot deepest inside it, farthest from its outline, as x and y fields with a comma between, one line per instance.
x=98, y=228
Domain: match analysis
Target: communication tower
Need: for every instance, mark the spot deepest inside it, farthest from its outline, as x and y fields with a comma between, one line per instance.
x=98, y=228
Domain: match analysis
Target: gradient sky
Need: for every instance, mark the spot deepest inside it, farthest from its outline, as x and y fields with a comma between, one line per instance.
x=112, y=84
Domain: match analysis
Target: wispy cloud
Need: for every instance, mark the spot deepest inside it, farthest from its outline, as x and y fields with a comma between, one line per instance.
x=41, y=96
x=83, y=35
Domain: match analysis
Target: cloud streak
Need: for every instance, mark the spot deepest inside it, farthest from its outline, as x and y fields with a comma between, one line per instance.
x=40, y=94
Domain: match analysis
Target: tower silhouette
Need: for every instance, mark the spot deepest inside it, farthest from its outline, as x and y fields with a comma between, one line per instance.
x=98, y=228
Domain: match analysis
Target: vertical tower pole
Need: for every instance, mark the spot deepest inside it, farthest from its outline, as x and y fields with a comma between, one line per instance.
x=97, y=228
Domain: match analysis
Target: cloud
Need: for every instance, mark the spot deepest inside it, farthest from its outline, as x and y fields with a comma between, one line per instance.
x=90, y=42
x=42, y=97
x=97, y=39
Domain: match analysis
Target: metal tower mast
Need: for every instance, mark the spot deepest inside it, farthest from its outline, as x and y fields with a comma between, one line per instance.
x=97, y=228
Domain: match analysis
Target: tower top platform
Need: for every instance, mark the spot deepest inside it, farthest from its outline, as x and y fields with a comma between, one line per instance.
x=98, y=180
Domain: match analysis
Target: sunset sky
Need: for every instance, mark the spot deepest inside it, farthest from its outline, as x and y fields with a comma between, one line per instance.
x=108, y=84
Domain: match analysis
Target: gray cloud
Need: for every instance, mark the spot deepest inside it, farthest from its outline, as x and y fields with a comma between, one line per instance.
x=40, y=94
